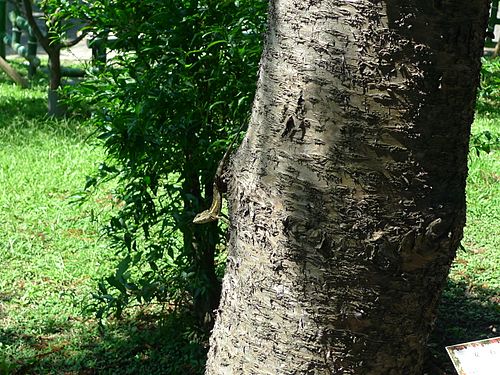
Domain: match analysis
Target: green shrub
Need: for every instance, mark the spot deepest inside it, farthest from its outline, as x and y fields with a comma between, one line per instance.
x=180, y=84
x=489, y=91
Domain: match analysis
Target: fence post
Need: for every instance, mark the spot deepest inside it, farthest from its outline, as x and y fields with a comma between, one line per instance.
x=3, y=26
x=32, y=47
x=492, y=22
x=98, y=45
x=16, y=31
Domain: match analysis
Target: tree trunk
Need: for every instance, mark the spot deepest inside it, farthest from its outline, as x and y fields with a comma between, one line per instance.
x=347, y=195
x=55, y=108
x=200, y=243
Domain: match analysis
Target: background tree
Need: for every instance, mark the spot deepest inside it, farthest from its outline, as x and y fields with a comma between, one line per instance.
x=59, y=18
x=166, y=106
x=347, y=195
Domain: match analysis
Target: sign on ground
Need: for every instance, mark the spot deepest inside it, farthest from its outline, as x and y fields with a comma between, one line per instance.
x=476, y=357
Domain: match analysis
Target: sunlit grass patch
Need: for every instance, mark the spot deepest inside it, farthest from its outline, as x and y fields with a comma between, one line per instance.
x=470, y=307
x=479, y=262
x=50, y=250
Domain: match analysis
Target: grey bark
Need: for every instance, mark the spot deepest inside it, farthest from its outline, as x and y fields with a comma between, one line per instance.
x=346, y=196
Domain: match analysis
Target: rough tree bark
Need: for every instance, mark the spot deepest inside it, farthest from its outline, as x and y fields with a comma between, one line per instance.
x=346, y=196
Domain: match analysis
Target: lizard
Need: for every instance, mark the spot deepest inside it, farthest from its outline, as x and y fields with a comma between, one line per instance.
x=214, y=212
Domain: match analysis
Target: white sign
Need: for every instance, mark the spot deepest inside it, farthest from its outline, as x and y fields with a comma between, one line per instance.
x=477, y=357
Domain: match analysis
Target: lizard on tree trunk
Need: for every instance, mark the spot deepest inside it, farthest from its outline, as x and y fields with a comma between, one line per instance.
x=219, y=187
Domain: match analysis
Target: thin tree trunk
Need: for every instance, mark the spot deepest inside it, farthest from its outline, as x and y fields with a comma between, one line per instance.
x=55, y=68
x=199, y=243
x=347, y=196
x=55, y=108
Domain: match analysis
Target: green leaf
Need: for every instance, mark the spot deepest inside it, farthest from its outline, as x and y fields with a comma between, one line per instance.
x=90, y=182
x=216, y=43
x=116, y=283
x=123, y=266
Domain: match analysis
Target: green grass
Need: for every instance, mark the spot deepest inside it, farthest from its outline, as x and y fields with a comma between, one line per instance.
x=51, y=252
x=49, y=249
x=470, y=306
x=481, y=259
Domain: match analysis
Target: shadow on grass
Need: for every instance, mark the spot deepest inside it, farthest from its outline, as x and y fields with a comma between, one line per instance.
x=488, y=108
x=150, y=344
x=24, y=116
x=134, y=346
x=21, y=106
x=464, y=314
x=17, y=103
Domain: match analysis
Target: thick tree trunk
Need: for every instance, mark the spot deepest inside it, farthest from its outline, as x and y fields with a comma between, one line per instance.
x=347, y=197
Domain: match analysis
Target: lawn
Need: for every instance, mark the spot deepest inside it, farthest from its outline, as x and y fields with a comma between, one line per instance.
x=470, y=307
x=51, y=253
